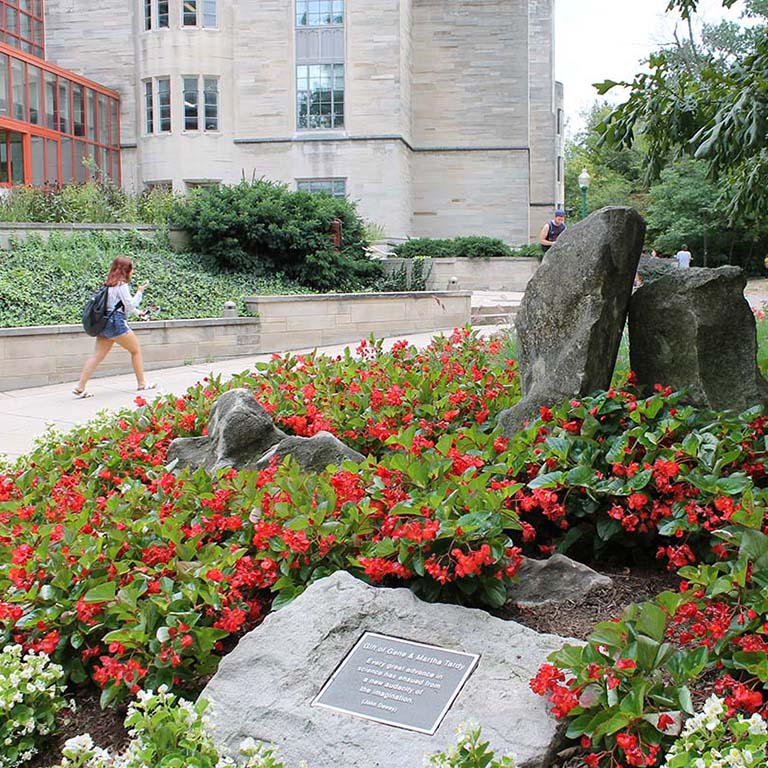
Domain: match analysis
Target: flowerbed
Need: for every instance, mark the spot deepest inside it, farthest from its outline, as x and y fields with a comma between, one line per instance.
x=134, y=577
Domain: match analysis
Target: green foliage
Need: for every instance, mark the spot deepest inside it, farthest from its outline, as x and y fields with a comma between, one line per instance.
x=411, y=275
x=470, y=751
x=475, y=247
x=100, y=202
x=263, y=227
x=31, y=697
x=47, y=283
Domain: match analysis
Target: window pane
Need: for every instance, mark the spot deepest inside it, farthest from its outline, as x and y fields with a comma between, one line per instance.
x=35, y=94
x=164, y=104
x=320, y=97
x=147, y=14
x=115, y=122
x=4, y=166
x=211, y=88
x=191, y=104
x=81, y=153
x=51, y=163
x=38, y=161
x=67, y=168
x=103, y=119
x=25, y=26
x=162, y=13
x=91, y=114
x=149, y=110
x=78, y=118
x=12, y=23
x=315, y=13
x=4, y=82
x=19, y=71
x=209, y=13
x=17, y=159
x=189, y=13
x=64, y=90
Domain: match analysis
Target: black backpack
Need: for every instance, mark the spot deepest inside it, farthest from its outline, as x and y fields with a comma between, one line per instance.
x=95, y=315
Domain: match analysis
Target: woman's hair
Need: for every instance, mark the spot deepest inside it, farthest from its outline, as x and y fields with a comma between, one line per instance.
x=119, y=272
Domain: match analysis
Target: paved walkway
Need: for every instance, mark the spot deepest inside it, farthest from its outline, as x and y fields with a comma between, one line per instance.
x=26, y=413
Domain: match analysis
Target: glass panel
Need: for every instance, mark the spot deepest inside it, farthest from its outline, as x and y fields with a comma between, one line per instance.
x=4, y=82
x=25, y=46
x=26, y=5
x=4, y=166
x=103, y=166
x=91, y=114
x=17, y=159
x=147, y=14
x=116, y=167
x=320, y=96
x=18, y=74
x=78, y=118
x=81, y=153
x=164, y=104
x=103, y=119
x=38, y=161
x=26, y=26
x=162, y=13
x=51, y=163
x=209, y=13
x=64, y=90
x=67, y=168
x=211, y=93
x=149, y=111
x=51, y=106
x=35, y=94
x=115, y=122
x=12, y=22
x=189, y=13
x=315, y=13
x=191, y=104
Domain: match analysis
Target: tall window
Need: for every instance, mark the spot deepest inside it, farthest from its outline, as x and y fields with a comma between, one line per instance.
x=320, y=95
x=317, y=13
x=21, y=26
x=163, y=16
x=210, y=16
x=147, y=14
x=189, y=13
x=193, y=100
x=164, y=104
x=191, y=104
x=195, y=13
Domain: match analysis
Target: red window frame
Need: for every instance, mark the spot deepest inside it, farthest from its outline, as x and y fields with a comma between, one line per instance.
x=14, y=35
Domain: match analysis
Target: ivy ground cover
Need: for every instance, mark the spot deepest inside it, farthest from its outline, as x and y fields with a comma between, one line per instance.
x=132, y=576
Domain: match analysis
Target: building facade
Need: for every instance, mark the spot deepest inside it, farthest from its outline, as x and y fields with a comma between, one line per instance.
x=56, y=127
x=439, y=117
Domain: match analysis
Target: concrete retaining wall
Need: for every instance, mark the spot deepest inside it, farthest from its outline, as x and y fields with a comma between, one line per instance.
x=33, y=357
x=20, y=231
x=497, y=274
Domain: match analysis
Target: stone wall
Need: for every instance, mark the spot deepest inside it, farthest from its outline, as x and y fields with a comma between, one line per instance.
x=498, y=274
x=33, y=357
x=20, y=231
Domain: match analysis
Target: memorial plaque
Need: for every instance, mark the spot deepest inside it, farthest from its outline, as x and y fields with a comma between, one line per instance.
x=397, y=682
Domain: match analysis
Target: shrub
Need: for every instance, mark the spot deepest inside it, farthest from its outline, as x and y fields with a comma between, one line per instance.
x=44, y=283
x=31, y=697
x=470, y=752
x=263, y=226
x=475, y=247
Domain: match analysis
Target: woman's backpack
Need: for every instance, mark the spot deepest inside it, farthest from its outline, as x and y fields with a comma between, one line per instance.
x=95, y=315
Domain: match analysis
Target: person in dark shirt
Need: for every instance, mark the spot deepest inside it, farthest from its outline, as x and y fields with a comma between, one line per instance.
x=552, y=230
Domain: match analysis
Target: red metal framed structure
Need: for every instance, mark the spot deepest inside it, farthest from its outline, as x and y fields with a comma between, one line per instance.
x=68, y=126
x=22, y=25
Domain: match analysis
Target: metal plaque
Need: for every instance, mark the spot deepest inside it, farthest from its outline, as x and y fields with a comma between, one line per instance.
x=397, y=682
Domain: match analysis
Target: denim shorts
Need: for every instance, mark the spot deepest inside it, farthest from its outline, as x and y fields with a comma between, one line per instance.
x=116, y=326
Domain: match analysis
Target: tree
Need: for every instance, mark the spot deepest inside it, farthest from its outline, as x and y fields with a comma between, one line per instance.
x=706, y=101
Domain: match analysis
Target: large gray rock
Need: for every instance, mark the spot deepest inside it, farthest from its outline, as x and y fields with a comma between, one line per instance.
x=554, y=581
x=694, y=328
x=312, y=454
x=265, y=687
x=572, y=316
x=240, y=431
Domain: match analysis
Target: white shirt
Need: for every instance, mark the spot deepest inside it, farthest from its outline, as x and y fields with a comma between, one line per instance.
x=683, y=259
x=121, y=292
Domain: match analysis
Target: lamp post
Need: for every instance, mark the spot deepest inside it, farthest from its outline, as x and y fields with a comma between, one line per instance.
x=584, y=179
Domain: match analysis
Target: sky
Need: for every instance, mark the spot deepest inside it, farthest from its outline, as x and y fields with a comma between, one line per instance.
x=598, y=40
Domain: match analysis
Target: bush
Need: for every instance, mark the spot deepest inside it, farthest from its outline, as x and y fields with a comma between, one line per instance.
x=48, y=283
x=264, y=227
x=469, y=752
x=475, y=247
x=31, y=697
x=97, y=202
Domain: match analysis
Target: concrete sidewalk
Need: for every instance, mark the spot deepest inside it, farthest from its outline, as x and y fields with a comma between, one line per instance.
x=26, y=413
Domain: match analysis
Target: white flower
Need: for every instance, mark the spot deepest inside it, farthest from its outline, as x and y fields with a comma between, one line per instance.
x=75, y=746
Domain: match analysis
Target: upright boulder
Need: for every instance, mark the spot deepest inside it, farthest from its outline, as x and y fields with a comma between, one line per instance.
x=240, y=431
x=693, y=328
x=571, y=319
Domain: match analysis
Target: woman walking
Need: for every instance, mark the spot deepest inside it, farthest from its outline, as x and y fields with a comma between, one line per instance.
x=120, y=303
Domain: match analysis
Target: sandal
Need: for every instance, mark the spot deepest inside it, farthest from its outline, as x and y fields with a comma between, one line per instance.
x=81, y=394
x=146, y=387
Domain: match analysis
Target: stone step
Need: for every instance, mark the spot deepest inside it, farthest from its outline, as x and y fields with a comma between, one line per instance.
x=506, y=318
x=496, y=309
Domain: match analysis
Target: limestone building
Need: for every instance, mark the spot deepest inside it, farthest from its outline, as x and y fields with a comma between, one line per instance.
x=440, y=117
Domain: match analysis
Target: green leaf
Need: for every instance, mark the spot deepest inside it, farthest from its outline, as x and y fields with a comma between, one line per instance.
x=652, y=622
x=101, y=593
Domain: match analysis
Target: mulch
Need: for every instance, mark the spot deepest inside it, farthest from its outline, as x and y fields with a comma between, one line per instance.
x=574, y=619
